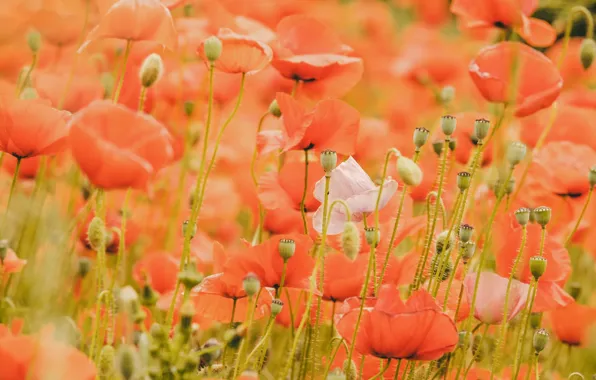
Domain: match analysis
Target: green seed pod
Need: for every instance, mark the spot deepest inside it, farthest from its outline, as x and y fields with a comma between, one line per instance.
x=448, y=124
x=464, y=179
x=481, y=128
x=232, y=338
x=409, y=171
x=465, y=232
x=537, y=266
x=105, y=368
x=447, y=94
x=189, y=108
x=149, y=297
x=328, y=160
x=452, y=144
x=276, y=306
x=535, y=320
x=516, y=152
x=438, y=147
x=96, y=234
x=151, y=70
x=3, y=249
x=274, y=109
x=468, y=250
x=108, y=82
x=541, y=339
x=420, y=137
x=213, y=48
x=592, y=176
x=372, y=235
x=523, y=215
x=158, y=333
x=587, y=52
x=542, y=215
x=350, y=240
x=251, y=284
x=286, y=248
x=189, y=277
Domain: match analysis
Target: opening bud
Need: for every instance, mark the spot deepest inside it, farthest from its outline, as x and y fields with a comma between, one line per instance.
x=575, y=289
x=212, y=47
x=409, y=171
x=34, y=41
x=350, y=240
x=328, y=160
x=420, y=137
x=465, y=232
x=447, y=94
x=468, y=250
x=542, y=215
x=592, y=176
x=587, y=52
x=448, y=124
x=286, y=248
x=372, y=235
x=464, y=179
x=442, y=245
x=438, y=147
x=151, y=70
x=274, y=108
x=127, y=361
x=251, y=284
x=185, y=229
x=481, y=128
x=541, y=339
x=537, y=266
x=523, y=215
x=276, y=306
x=516, y=152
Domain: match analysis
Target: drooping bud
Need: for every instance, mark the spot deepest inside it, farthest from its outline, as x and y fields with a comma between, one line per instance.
x=127, y=361
x=372, y=235
x=187, y=312
x=587, y=52
x=105, y=367
x=350, y=240
x=465, y=232
x=96, y=233
x=575, y=289
x=448, y=124
x=516, y=152
x=185, y=226
x=442, y=245
x=541, y=339
x=212, y=48
x=151, y=70
x=276, y=306
x=34, y=41
x=523, y=215
x=328, y=160
x=537, y=266
x=447, y=94
x=286, y=248
x=251, y=284
x=592, y=176
x=274, y=108
x=83, y=266
x=214, y=353
x=468, y=250
x=542, y=215
x=481, y=128
x=464, y=179
x=409, y=171
x=420, y=137
x=438, y=147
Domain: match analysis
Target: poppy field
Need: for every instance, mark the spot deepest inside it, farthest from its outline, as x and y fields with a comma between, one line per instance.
x=297, y=189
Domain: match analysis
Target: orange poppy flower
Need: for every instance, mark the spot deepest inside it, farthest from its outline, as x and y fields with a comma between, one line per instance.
x=60, y=22
x=82, y=91
x=159, y=269
x=332, y=124
x=343, y=277
x=240, y=53
x=114, y=157
x=368, y=365
x=539, y=82
x=486, y=14
x=572, y=322
x=550, y=293
x=27, y=169
x=136, y=20
x=390, y=328
x=29, y=128
x=312, y=53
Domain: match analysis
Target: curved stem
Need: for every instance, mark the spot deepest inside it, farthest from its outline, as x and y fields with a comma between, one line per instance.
x=579, y=219
x=259, y=232
x=332, y=358
x=382, y=371
x=569, y=24
x=122, y=71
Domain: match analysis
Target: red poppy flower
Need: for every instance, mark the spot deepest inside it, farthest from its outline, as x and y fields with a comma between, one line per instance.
x=486, y=14
x=136, y=20
x=343, y=277
x=390, y=328
x=539, y=82
x=572, y=322
x=116, y=157
x=27, y=169
x=30, y=128
x=492, y=290
x=60, y=22
x=82, y=91
x=159, y=269
x=240, y=53
x=369, y=365
x=312, y=53
x=332, y=124
x=550, y=293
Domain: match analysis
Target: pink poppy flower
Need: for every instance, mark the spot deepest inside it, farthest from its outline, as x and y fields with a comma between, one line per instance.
x=349, y=182
x=490, y=300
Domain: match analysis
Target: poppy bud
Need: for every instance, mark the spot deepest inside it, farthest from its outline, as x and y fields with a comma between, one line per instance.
x=448, y=124
x=211, y=356
x=105, y=367
x=535, y=319
x=575, y=289
x=523, y=215
x=185, y=229
x=464, y=179
x=28, y=93
x=372, y=235
x=350, y=240
x=286, y=248
x=540, y=340
x=438, y=147
x=274, y=108
x=149, y=297
x=127, y=295
x=34, y=41
x=251, y=284
x=328, y=160
x=537, y=266
x=409, y=171
x=158, y=333
x=442, y=245
x=107, y=81
x=592, y=176
x=465, y=232
x=516, y=153
x=481, y=128
x=420, y=137
x=468, y=250
x=83, y=267
x=447, y=94
x=189, y=277
x=441, y=268
x=587, y=52
x=3, y=249
x=213, y=48
x=276, y=306
x=187, y=311
x=127, y=361
x=542, y=215
x=151, y=70
x=350, y=369
x=96, y=234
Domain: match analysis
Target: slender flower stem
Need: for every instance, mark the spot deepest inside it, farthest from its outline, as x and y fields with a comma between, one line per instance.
x=524, y=327
x=482, y=342
x=382, y=371
x=15, y=177
x=122, y=71
x=304, y=193
x=451, y=277
x=119, y=272
x=258, y=237
x=23, y=83
x=142, y=98
x=223, y=355
x=579, y=219
x=251, y=312
x=257, y=349
x=332, y=358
